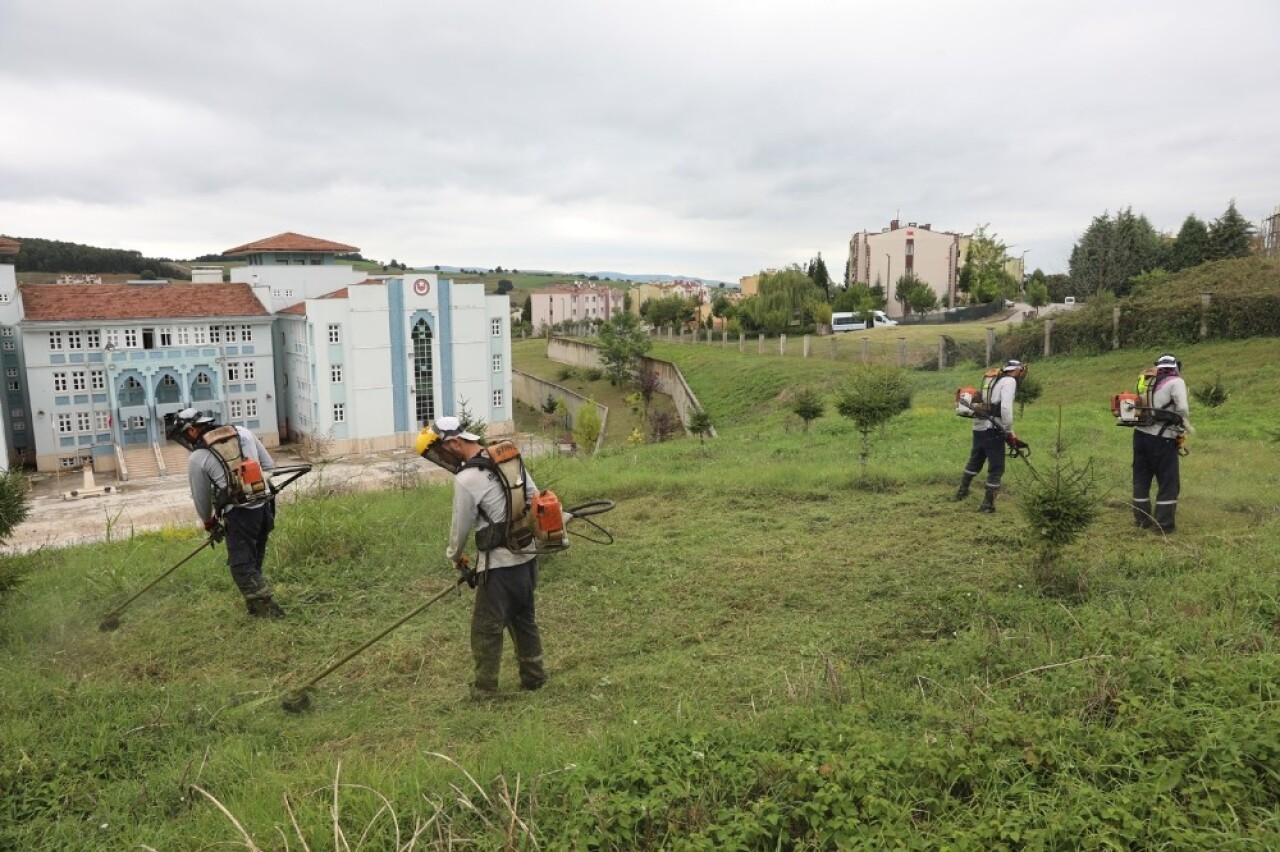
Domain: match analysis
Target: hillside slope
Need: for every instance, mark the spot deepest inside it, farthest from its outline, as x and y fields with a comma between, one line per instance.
x=780, y=650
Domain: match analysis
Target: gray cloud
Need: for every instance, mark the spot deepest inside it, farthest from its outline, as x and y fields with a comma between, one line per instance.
x=710, y=138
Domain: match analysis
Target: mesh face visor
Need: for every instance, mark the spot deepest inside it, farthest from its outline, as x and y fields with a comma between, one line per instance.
x=431, y=447
x=175, y=429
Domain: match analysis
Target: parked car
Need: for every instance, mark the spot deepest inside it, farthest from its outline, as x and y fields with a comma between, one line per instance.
x=1069, y=300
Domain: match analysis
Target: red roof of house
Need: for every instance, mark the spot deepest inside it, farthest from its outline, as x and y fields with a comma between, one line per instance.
x=8, y=246
x=55, y=302
x=291, y=242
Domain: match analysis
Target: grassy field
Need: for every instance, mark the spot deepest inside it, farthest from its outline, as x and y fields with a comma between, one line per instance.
x=782, y=650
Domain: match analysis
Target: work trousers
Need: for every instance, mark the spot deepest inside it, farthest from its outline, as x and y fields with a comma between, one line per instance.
x=505, y=601
x=1155, y=457
x=247, y=534
x=988, y=448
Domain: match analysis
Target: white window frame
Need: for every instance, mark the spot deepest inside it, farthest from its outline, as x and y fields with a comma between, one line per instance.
x=79, y=381
x=335, y=374
x=93, y=338
x=339, y=412
x=495, y=326
x=251, y=408
x=97, y=380
x=74, y=339
x=130, y=338
x=237, y=409
x=64, y=424
x=59, y=382
x=103, y=420
x=246, y=334
x=497, y=398
x=55, y=341
x=82, y=421
x=497, y=363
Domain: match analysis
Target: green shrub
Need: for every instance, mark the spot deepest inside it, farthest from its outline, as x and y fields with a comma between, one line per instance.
x=1211, y=394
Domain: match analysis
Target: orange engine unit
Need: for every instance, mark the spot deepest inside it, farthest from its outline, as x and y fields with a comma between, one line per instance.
x=548, y=519
x=1125, y=407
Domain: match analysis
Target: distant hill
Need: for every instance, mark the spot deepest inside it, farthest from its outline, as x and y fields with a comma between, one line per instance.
x=56, y=256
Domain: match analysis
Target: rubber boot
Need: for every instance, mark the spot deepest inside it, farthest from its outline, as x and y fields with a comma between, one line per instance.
x=963, y=491
x=263, y=606
x=988, y=500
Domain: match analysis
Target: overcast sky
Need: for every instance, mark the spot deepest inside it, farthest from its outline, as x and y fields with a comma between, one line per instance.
x=707, y=138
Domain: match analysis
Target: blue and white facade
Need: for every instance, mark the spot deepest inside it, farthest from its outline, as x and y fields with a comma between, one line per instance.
x=15, y=436
x=296, y=346
x=366, y=366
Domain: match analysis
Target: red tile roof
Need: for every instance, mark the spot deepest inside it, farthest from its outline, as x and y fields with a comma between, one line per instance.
x=8, y=246
x=55, y=302
x=291, y=242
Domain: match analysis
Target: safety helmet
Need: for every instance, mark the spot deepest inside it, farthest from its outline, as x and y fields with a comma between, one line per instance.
x=176, y=424
x=1015, y=367
x=430, y=442
x=1168, y=361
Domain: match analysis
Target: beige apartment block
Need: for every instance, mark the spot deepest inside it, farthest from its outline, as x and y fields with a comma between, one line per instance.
x=882, y=257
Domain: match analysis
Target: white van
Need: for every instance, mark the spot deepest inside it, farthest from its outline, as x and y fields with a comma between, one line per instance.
x=847, y=321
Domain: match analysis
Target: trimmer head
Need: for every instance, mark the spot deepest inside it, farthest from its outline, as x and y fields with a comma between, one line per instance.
x=296, y=702
x=109, y=624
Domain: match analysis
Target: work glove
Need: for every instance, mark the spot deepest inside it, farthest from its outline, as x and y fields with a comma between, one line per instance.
x=1016, y=445
x=217, y=532
x=463, y=566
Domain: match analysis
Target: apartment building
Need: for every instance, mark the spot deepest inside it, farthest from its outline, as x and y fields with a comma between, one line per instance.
x=884, y=256
x=576, y=302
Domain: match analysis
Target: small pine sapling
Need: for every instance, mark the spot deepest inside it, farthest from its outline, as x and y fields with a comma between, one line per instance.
x=871, y=397
x=808, y=406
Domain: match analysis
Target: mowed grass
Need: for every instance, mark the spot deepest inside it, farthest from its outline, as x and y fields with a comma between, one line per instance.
x=781, y=648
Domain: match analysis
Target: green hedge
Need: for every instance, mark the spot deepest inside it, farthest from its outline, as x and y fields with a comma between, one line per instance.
x=1245, y=303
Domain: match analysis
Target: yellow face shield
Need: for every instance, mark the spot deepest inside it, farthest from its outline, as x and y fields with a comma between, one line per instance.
x=430, y=446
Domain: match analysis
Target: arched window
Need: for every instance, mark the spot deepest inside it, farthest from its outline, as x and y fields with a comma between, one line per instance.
x=423, y=374
x=168, y=389
x=132, y=392
x=201, y=386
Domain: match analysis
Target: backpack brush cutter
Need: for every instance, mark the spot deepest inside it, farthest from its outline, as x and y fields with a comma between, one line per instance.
x=111, y=620
x=549, y=540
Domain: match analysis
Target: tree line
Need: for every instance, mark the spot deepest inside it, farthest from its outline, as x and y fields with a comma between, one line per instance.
x=38, y=255
x=1117, y=253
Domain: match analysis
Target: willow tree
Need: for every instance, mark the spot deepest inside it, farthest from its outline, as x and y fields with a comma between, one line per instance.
x=790, y=293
